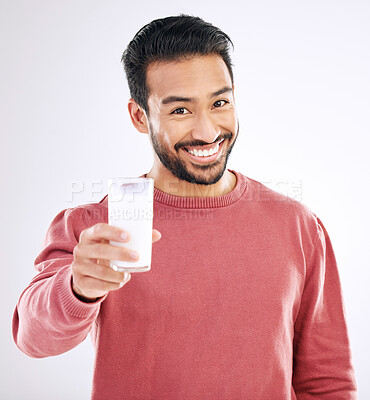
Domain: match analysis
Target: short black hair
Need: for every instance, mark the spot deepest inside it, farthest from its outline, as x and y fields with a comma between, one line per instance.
x=169, y=39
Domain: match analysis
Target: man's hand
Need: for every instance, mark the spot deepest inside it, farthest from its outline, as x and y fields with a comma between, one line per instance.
x=92, y=276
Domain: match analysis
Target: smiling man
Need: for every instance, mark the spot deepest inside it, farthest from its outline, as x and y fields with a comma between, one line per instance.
x=243, y=299
x=192, y=124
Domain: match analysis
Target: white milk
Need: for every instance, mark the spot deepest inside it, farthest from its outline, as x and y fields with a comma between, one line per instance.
x=130, y=207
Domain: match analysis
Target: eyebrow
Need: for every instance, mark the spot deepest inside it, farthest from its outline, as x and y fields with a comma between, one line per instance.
x=174, y=99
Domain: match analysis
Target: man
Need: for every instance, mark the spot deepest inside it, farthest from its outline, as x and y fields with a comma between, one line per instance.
x=243, y=300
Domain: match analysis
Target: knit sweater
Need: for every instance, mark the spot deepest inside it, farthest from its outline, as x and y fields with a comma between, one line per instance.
x=243, y=301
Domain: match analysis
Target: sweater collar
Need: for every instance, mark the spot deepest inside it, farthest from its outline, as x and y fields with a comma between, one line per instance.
x=203, y=202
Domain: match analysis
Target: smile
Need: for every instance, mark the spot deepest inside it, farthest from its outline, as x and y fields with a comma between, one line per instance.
x=206, y=155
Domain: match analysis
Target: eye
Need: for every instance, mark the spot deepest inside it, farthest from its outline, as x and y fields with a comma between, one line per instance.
x=218, y=104
x=179, y=111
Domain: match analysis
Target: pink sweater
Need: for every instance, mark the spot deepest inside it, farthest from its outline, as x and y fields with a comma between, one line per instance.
x=243, y=301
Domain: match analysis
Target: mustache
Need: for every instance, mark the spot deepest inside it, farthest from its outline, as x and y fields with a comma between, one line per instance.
x=202, y=143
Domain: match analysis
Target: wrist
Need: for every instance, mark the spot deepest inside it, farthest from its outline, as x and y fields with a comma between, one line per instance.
x=77, y=292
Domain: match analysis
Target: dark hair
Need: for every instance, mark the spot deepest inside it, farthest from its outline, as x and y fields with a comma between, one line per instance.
x=169, y=39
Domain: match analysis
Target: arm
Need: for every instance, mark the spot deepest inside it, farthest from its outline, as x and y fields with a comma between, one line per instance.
x=57, y=310
x=322, y=365
x=49, y=319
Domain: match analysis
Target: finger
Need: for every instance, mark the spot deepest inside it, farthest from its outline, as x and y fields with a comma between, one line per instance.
x=104, y=251
x=103, y=232
x=156, y=235
x=102, y=261
x=101, y=272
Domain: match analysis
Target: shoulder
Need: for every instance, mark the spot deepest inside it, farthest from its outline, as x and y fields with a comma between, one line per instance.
x=93, y=212
x=75, y=219
x=281, y=209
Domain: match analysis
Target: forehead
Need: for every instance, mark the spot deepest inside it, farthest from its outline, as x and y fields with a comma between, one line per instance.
x=185, y=77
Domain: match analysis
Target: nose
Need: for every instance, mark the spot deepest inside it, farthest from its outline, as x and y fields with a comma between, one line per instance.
x=205, y=129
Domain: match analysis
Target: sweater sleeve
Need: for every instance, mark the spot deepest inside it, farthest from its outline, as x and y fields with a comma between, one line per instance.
x=49, y=319
x=322, y=365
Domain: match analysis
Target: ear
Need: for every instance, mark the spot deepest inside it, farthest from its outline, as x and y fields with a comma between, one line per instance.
x=138, y=116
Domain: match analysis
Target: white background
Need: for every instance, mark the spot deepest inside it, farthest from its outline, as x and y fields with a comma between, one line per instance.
x=302, y=94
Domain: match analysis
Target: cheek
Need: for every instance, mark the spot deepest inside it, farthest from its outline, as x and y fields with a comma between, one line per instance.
x=173, y=132
x=228, y=121
x=154, y=125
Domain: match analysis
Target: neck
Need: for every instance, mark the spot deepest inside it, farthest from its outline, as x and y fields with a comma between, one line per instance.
x=168, y=183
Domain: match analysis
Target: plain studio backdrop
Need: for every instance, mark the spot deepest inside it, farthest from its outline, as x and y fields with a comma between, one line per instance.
x=302, y=96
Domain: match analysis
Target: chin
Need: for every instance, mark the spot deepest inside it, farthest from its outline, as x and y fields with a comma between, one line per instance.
x=206, y=175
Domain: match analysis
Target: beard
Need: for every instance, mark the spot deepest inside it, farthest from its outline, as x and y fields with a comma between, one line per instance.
x=205, y=174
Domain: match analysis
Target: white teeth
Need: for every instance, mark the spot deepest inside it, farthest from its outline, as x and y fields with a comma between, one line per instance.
x=205, y=153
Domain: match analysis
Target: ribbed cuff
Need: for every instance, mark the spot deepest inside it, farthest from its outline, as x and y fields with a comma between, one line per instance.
x=71, y=304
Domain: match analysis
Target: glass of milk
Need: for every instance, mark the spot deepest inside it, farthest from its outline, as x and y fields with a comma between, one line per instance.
x=130, y=207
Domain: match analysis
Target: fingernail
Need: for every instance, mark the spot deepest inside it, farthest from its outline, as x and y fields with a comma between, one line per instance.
x=124, y=235
x=134, y=254
x=126, y=278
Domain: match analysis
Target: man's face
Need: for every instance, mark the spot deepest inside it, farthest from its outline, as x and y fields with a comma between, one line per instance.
x=192, y=119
